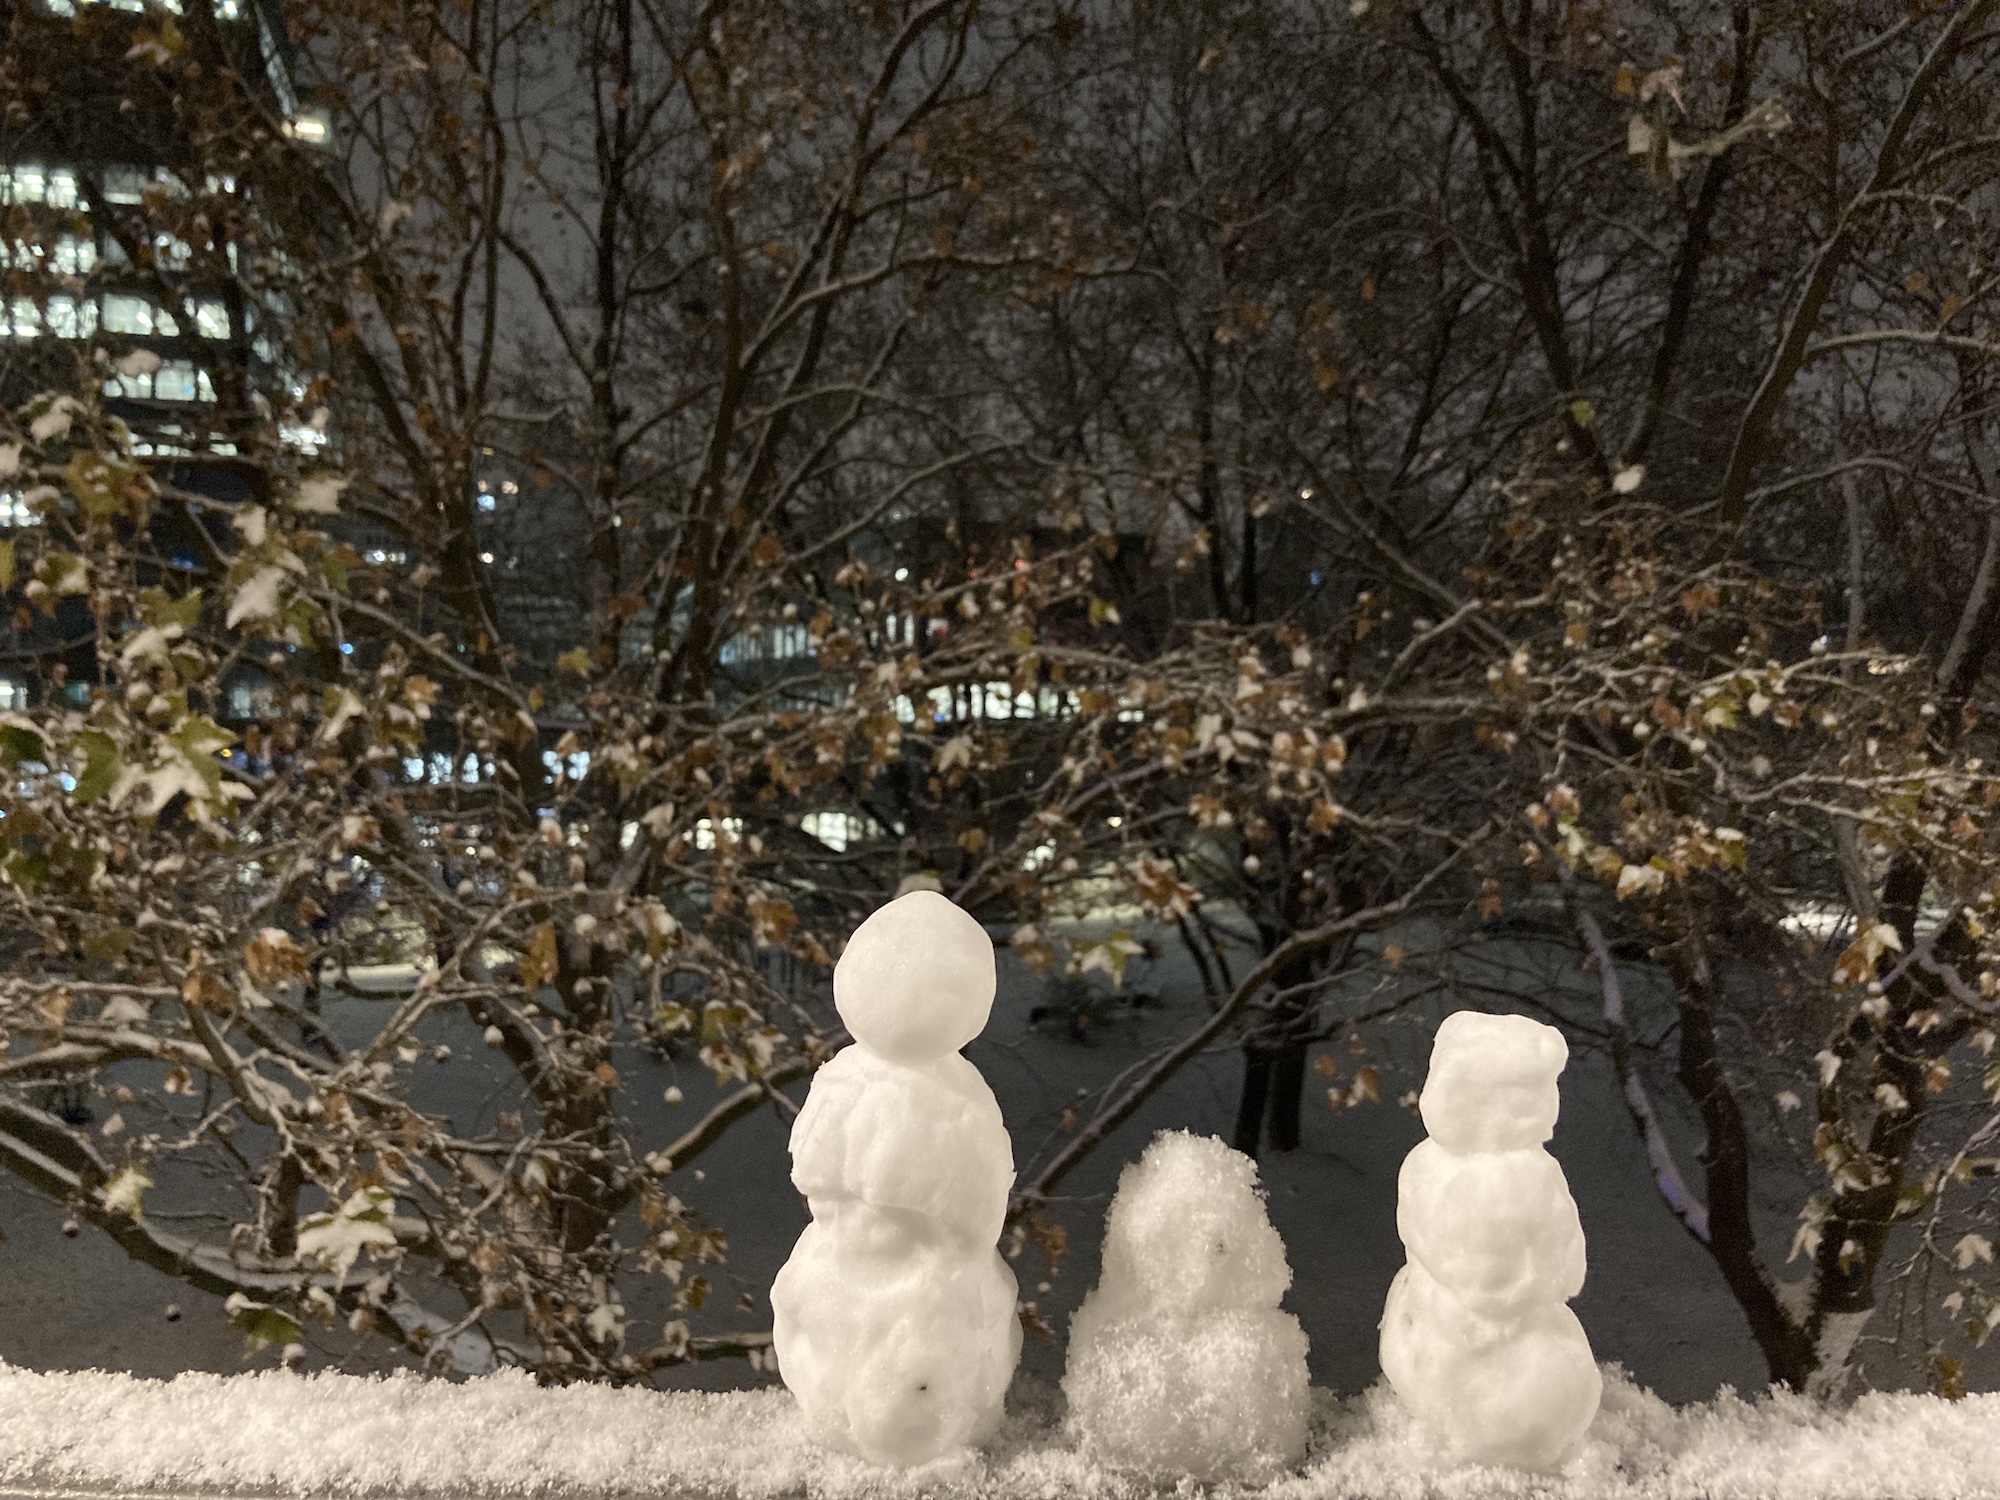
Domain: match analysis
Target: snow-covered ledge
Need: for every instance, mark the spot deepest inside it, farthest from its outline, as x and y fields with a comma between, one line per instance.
x=278, y=1434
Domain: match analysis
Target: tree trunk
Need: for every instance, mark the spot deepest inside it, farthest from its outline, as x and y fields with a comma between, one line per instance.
x=1251, y=1103
x=1288, y=1087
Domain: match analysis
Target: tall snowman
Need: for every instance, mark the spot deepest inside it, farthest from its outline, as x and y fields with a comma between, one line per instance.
x=1477, y=1338
x=894, y=1321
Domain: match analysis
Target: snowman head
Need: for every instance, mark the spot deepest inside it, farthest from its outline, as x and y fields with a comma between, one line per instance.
x=1492, y=1083
x=916, y=981
x=1188, y=1233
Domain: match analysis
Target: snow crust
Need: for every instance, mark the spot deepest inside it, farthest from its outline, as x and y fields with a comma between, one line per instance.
x=1180, y=1361
x=1476, y=1335
x=281, y=1434
x=894, y=1319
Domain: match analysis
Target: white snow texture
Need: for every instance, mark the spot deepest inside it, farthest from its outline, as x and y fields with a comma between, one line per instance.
x=1477, y=1337
x=324, y=1435
x=1180, y=1361
x=894, y=1320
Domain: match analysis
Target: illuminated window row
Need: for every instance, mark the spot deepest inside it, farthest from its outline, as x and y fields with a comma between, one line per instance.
x=996, y=700
x=61, y=187
x=225, y=10
x=442, y=770
x=78, y=255
x=771, y=643
x=838, y=829
x=15, y=510
x=32, y=183
x=116, y=312
x=72, y=255
x=175, y=380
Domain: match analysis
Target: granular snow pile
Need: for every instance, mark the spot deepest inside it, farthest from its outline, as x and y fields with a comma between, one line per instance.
x=283, y=1434
x=1181, y=1360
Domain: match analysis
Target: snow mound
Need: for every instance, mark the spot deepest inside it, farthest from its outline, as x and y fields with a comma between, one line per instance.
x=1180, y=1361
x=279, y=1434
x=1187, y=1233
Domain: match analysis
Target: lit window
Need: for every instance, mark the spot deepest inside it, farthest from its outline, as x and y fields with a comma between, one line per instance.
x=204, y=388
x=839, y=830
x=123, y=314
x=174, y=381
x=124, y=185
x=61, y=189
x=704, y=832
x=770, y=643
x=75, y=255
x=211, y=317
x=13, y=694
x=15, y=510
x=24, y=184
x=69, y=320
x=575, y=767
x=248, y=700
x=27, y=318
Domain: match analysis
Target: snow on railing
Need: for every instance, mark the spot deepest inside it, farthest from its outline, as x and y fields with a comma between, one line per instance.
x=279, y=1434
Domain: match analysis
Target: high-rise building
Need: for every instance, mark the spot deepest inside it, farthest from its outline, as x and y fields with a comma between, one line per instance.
x=119, y=267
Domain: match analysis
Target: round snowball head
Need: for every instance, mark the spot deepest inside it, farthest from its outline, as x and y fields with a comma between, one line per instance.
x=1492, y=1082
x=916, y=981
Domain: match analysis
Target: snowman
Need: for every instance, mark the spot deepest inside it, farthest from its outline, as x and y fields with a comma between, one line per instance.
x=1181, y=1362
x=1477, y=1337
x=894, y=1321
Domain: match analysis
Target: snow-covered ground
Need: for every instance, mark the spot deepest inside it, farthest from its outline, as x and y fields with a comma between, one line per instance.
x=278, y=1434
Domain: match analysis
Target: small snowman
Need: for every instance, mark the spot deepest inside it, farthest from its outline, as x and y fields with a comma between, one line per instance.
x=894, y=1321
x=1181, y=1362
x=1477, y=1337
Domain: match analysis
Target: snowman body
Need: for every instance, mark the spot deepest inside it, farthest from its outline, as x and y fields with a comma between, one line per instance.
x=894, y=1320
x=1181, y=1361
x=1477, y=1336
